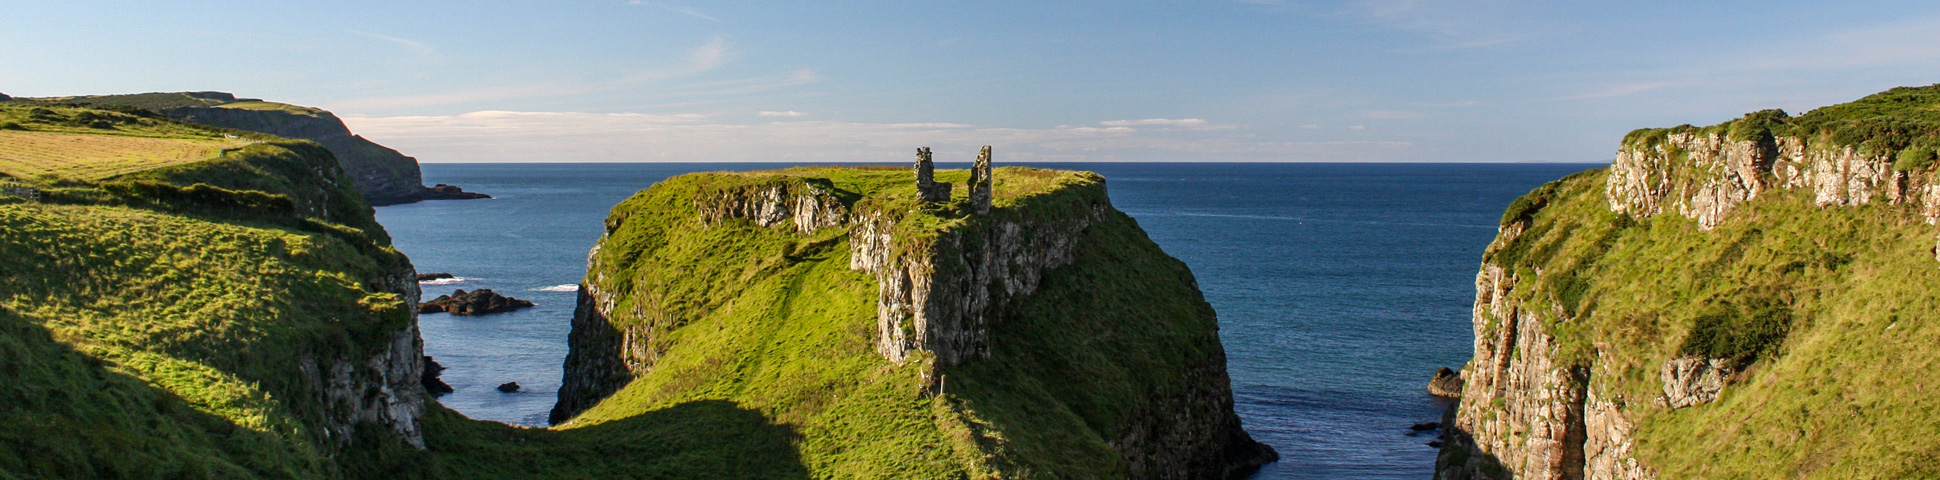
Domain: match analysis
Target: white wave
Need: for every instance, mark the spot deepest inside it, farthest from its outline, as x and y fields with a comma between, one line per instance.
x=445, y=281
x=570, y=287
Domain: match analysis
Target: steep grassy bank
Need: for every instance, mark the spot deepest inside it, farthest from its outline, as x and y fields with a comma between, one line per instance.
x=1748, y=300
x=239, y=315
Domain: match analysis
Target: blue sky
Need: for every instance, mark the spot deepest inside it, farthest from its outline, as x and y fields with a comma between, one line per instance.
x=1081, y=81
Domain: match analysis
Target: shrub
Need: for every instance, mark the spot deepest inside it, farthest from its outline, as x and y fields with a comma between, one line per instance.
x=1914, y=159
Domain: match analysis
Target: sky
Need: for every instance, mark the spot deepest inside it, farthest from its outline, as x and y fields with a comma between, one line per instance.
x=1230, y=81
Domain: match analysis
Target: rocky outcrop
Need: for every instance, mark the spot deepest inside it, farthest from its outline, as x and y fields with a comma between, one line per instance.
x=1447, y=383
x=806, y=205
x=430, y=378
x=476, y=302
x=426, y=277
x=1691, y=381
x=1704, y=176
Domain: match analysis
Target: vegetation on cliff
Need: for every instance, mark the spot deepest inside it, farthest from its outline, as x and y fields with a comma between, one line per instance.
x=160, y=313
x=1819, y=310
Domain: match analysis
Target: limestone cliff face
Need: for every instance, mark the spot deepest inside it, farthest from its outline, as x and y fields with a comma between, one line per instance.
x=940, y=295
x=1704, y=176
x=381, y=174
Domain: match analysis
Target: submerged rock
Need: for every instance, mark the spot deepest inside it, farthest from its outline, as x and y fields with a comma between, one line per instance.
x=434, y=276
x=476, y=302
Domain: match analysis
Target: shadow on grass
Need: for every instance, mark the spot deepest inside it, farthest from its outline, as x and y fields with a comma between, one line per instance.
x=67, y=414
x=693, y=440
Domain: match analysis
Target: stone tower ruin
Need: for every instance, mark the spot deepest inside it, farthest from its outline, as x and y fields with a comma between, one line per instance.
x=980, y=182
x=926, y=185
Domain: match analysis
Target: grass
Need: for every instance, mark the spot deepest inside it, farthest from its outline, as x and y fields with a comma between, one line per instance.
x=97, y=156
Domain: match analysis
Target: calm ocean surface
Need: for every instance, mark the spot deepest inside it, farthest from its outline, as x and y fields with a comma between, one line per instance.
x=1340, y=287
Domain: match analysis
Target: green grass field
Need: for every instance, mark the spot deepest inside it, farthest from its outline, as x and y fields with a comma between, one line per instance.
x=86, y=156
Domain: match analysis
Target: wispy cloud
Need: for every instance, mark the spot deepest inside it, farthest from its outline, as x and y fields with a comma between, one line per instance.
x=790, y=113
x=495, y=136
x=1184, y=123
x=682, y=10
x=421, y=49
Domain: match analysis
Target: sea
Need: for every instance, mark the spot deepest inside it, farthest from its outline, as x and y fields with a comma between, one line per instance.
x=1340, y=288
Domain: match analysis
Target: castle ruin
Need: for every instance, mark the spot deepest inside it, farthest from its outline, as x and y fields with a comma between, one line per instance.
x=933, y=191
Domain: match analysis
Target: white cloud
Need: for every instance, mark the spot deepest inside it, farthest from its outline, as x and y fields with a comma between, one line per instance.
x=420, y=49
x=1394, y=115
x=699, y=60
x=790, y=113
x=1358, y=127
x=501, y=136
x=1181, y=122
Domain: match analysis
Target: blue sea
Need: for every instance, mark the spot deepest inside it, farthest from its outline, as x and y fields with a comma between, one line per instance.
x=1340, y=287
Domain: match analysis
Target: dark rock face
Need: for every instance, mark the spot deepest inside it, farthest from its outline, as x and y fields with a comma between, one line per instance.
x=448, y=192
x=509, y=387
x=1446, y=384
x=475, y=302
x=432, y=384
x=433, y=276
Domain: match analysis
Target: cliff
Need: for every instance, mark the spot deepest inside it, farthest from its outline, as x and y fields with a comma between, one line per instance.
x=892, y=337
x=382, y=175
x=1747, y=300
x=185, y=302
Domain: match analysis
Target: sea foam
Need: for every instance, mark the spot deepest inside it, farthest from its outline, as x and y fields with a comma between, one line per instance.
x=570, y=287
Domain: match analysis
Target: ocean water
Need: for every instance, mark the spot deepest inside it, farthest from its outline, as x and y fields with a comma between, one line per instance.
x=1340, y=287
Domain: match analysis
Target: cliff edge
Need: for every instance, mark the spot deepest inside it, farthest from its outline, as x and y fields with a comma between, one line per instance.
x=1752, y=299
x=1042, y=335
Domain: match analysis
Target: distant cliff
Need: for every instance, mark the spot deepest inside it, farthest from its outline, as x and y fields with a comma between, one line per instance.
x=381, y=174
x=1753, y=299
x=908, y=338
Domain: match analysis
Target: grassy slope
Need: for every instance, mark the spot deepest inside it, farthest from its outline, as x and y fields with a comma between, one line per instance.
x=154, y=334
x=1832, y=311
x=770, y=322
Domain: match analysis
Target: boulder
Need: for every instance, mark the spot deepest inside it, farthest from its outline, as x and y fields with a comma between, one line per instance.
x=1447, y=383
x=432, y=384
x=509, y=387
x=1692, y=380
x=434, y=276
x=475, y=302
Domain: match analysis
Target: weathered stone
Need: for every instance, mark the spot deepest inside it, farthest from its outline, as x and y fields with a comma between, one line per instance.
x=509, y=387
x=448, y=192
x=1691, y=381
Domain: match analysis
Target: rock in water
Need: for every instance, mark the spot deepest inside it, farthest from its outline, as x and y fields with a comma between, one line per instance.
x=434, y=276
x=449, y=192
x=1447, y=383
x=429, y=378
x=509, y=387
x=476, y=302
